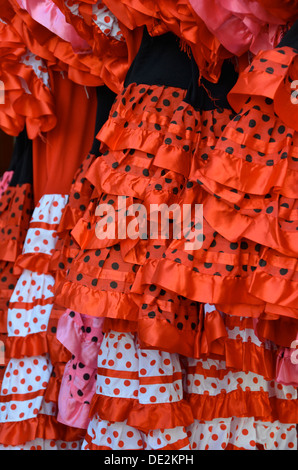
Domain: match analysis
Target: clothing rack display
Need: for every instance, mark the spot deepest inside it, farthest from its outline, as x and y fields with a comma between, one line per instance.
x=149, y=225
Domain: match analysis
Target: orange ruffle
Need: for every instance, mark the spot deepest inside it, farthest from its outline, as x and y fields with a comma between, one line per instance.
x=179, y=18
x=104, y=63
x=183, y=280
x=33, y=107
x=15, y=211
x=142, y=417
x=159, y=334
x=285, y=9
x=36, y=344
x=241, y=403
x=97, y=303
x=41, y=427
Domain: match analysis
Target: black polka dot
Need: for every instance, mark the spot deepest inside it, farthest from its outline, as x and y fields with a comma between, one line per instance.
x=244, y=245
x=229, y=267
x=79, y=277
x=115, y=266
x=207, y=265
x=234, y=246
x=114, y=284
x=262, y=263
x=281, y=129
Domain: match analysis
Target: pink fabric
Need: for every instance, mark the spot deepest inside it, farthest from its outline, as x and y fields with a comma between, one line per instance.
x=5, y=180
x=287, y=367
x=240, y=25
x=45, y=12
x=82, y=336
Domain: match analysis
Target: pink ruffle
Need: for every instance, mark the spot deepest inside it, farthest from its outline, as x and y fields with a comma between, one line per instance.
x=287, y=367
x=46, y=13
x=82, y=336
x=5, y=180
x=239, y=25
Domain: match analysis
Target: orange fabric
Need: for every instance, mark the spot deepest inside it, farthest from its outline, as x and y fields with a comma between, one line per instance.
x=285, y=10
x=241, y=403
x=43, y=427
x=143, y=417
x=35, y=345
x=57, y=156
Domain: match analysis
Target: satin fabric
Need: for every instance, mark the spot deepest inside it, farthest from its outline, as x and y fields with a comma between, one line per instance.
x=240, y=25
x=58, y=154
x=47, y=14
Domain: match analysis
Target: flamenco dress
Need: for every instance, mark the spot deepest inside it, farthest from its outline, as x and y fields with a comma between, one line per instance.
x=36, y=360
x=149, y=393
x=254, y=168
x=16, y=205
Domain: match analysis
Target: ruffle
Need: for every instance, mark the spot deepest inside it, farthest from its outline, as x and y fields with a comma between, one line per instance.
x=242, y=28
x=283, y=10
x=42, y=427
x=105, y=435
x=16, y=207
x=45, y=444
x=4, y=181
x=41, y=237
x=34, y=345
x=97, y=303
x=179, y=18
x=25, y=77
x=241, y=434
x=82, y=336
x=210, y=388
x=286, y=367
x=102, y=60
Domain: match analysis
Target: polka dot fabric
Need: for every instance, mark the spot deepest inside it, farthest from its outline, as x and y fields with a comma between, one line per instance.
x=82, y=336
x=171, y=363
x=29, y=406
